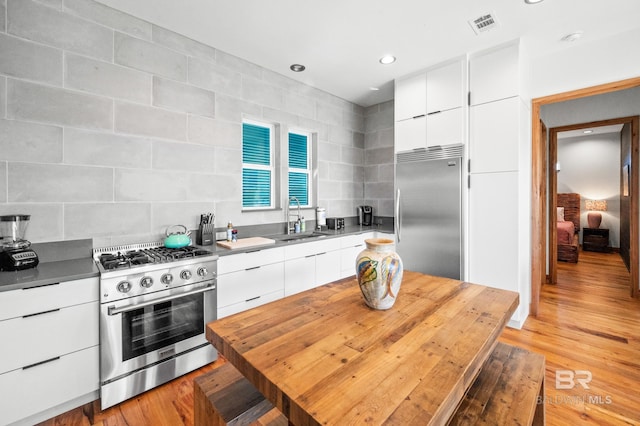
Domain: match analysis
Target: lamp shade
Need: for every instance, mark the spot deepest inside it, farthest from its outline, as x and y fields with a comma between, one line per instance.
x=596, y=205
x=593, y=217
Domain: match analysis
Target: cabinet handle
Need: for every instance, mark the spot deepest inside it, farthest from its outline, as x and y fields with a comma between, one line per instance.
x=40, y=313
x=434, y=112
x=418, y=116
x=320, y=254
x=38, y=286
x=253, y=298
x=252, y=268
x=252, y=251
x=40, y=363
x=311, y=255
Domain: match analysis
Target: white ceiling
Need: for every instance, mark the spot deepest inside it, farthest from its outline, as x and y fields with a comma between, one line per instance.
x=616, y=128
x=340, y=41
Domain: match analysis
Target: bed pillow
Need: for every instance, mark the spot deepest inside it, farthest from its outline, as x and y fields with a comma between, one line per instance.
x=560, y=214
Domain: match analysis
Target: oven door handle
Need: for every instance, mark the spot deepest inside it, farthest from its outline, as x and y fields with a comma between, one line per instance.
x=112, y=310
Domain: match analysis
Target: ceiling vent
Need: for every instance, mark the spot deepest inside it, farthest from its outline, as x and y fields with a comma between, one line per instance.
x=484, y=23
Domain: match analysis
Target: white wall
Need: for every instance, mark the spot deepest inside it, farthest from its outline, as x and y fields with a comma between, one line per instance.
x=590, y=166
x=586, y=63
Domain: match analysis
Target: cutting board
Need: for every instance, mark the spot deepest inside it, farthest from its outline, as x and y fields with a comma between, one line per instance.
x=243, y=243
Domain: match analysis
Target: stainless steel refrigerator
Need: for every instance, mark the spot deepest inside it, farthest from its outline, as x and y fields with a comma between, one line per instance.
x=428, y=204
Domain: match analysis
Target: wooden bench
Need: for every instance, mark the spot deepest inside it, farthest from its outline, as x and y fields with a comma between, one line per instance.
x=509, y=390
x=506, y=391
x=224, y=397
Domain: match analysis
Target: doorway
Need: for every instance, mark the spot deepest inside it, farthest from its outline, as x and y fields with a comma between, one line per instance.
x=616, y=167
x=539, y=190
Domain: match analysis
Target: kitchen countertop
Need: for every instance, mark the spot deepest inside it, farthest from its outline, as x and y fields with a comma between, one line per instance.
x=53, y=270
x=48, y=273
x=327, y=233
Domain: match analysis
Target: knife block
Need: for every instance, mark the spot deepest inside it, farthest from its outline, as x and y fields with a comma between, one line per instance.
x=204, y=237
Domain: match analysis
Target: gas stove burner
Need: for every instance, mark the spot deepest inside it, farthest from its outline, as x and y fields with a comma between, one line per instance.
x=129, y=257
x=163, y=254
x=123, y=260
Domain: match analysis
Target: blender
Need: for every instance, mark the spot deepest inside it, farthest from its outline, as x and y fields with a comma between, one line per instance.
x=15, y=253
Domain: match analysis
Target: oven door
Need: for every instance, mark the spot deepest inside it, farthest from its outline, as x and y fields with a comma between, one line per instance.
x=140, y=331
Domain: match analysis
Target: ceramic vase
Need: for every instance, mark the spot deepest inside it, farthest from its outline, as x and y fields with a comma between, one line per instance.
x=379, y=273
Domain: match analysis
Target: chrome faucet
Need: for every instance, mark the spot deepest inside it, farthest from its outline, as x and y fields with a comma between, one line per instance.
x=287, y=214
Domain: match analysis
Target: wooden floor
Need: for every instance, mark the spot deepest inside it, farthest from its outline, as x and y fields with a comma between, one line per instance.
x=587, y=322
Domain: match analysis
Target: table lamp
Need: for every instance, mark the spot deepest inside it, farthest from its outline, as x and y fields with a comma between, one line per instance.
x=594, y=217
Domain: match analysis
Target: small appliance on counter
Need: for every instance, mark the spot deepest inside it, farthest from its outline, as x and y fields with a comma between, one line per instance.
x=15, y=251
x=365, y=215
x=335, y=223
x=321, y=217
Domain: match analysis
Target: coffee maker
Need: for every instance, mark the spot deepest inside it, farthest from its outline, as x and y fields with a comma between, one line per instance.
x=365, y=215
x=15, y=251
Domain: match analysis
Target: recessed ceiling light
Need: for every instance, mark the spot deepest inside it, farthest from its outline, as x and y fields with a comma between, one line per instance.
x=297, y=68
x=572, y=37
x=532, y=1
x=387, y=59
x=586, y=132
x=373, y=88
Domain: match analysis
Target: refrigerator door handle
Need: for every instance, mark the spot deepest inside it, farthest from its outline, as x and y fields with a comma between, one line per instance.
x=398, y=217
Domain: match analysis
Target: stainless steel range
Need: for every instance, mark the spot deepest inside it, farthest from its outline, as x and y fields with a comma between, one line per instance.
x=154, y=304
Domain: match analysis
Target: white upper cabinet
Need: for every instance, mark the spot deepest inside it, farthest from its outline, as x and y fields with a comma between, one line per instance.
x=445, y=127
x=494, y=75
x=410, y=134
x=445, y=87
x=430, y=107
x=410, y=97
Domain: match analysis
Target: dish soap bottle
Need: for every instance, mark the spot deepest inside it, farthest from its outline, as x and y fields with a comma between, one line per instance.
x=229, y=231
x=303, y=227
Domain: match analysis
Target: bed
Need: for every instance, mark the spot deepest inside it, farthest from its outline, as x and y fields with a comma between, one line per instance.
x=568, y=226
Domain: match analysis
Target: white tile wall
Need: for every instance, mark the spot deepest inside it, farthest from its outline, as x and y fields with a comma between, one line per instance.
x=116, y=128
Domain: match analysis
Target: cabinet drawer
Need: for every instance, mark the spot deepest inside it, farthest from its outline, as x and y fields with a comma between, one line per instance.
x=17, y=303
x=308, y=249
x=355, y=240
x=248, y=304
x=242, y=261
x=241, y=286
x=33, y=390
x=32, y=339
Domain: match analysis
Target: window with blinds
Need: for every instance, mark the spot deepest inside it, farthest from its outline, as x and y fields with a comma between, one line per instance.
x=300, y=167
x=257, y=165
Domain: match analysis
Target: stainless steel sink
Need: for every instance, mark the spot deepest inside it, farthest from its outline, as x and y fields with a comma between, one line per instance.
x=299, y=237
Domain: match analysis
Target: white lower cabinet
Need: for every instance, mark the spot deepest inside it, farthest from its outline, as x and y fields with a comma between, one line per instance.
x=350, y=247
x=311, y=264
x=247, y=280
x=299, y=274
x=31, y=390
x=49, y=361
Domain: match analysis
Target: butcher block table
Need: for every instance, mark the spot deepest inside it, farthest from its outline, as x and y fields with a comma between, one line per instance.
x=324, y=357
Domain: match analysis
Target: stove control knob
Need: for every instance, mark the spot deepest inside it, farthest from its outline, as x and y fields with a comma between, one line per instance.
x=166, y=279
x=186, y=274
x=203, y=271
x=146, y=282
x=124, y=286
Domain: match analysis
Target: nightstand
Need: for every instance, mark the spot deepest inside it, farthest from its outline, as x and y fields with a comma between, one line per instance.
x=595, y=239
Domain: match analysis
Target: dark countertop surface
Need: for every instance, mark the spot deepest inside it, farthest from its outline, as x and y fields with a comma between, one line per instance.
x=326, y=233
x=69, y=267
x=48, y=273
